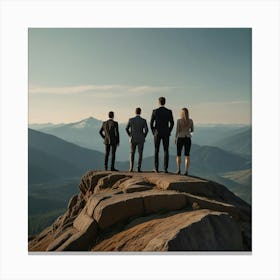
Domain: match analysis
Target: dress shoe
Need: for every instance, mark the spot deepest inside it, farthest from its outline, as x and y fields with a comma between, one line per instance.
x=178, y=172
x=139, y=170
x=186, y=173
x=165, y=171
x=155, y=170
x=114, y=169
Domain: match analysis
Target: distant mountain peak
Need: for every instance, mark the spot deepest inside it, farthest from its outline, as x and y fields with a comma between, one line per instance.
x=88, y=122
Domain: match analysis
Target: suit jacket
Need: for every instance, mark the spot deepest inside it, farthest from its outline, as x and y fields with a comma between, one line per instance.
x=110, y=132
x=162, y=121
x=137, y=129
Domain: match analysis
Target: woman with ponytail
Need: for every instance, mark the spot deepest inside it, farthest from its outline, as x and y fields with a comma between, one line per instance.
x=183, y=139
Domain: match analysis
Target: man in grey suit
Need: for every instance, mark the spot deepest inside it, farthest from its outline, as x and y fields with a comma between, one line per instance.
x=137, y=129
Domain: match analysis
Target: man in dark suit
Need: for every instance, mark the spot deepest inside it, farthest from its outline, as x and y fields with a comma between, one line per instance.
x=161, y=125
x=110, y=133
x=137, y=129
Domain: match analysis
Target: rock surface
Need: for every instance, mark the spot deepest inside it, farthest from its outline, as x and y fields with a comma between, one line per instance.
x=127, y=211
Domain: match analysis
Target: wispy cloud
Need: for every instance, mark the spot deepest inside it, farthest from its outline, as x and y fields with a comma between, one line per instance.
x=223, y=103
x=99, y=89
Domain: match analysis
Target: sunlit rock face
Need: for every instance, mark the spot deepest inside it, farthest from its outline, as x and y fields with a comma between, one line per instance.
x=130, y=211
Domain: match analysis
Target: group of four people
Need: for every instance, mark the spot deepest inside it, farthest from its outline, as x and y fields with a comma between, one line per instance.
x=161, y=125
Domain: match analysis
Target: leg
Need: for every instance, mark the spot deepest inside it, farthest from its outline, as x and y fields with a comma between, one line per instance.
x=157, y=143
x=188, y=144
x=132, y=153
x=165, y=140
x=140, y=155
x=187, y=164
x=107, y=151
x=114, y=148
x=179, y=152
x=178, y=161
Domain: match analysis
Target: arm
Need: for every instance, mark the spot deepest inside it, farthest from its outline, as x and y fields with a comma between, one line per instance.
x=191, y=126
x=101, y=131
x=117, y=134
x=171, y=122
x=177, y=131
x=153, y=118
x=128, y=126
x=146, y=130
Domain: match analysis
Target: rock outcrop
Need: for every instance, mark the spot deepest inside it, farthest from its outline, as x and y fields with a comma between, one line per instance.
x=125, y=211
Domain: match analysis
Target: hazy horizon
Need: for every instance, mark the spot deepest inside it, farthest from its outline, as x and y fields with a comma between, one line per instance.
x=85, y=118
x=79, y=72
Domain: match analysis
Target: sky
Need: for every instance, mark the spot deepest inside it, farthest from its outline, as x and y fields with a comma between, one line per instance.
x=77, y=73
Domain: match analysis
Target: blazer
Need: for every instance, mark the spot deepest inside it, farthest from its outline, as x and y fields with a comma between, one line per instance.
x=137, y=129
x=162, y=121
x=109, y=131
x=183, y=130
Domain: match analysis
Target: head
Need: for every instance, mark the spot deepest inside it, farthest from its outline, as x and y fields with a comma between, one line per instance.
x=111, y=115
x=161, y=101
x=185, y=114
x=138, y=111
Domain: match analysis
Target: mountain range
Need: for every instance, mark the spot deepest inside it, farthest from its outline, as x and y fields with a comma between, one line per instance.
x=55, y=166
x=85, y=133
x=52, y=157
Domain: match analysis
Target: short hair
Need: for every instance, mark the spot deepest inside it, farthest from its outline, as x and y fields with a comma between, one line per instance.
x=111, y=115
x=161, y=100
x=138, y=111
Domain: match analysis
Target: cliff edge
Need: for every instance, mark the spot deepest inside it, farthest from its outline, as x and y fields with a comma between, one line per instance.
x=129, y=211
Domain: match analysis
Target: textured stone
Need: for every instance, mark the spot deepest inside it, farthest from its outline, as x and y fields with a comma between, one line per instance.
x=155, y=201
x=73, y=200
x=56, y=243
x=204, y=203
x=138, y=188
x=89, y=181
x=77, y=242
x=118, y=208
x=124, y=211
x=214, y=232
x=94, y=200
x=108, y=181
x=138, y=180
x=80, y=241
x=200, y=230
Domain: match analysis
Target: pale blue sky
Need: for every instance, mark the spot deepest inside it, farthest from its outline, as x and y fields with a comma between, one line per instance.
x=77, y=73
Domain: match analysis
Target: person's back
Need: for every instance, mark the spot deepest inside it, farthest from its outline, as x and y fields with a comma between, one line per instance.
x=138, y=128
x=161, y=125
x=111, y=131
x=163, y=117
x=184, y=128
x=183, y=136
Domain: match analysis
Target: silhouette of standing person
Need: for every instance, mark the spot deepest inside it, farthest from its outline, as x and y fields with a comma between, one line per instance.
x=137, y=129
x=183, y=139
x=161, y=125
x=110, y=133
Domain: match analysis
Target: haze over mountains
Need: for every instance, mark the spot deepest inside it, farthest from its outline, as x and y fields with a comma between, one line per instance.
x=56, y=165
x=85, y=133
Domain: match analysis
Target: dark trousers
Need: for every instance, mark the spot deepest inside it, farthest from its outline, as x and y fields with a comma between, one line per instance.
x=185, y=142
x=108, y=147
x=165, y=142
x=132, y=154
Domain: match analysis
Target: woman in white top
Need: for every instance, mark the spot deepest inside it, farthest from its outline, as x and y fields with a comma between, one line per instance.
x=183, y=139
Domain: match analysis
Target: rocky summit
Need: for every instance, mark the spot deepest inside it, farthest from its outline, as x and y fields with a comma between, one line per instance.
x=130, y=211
